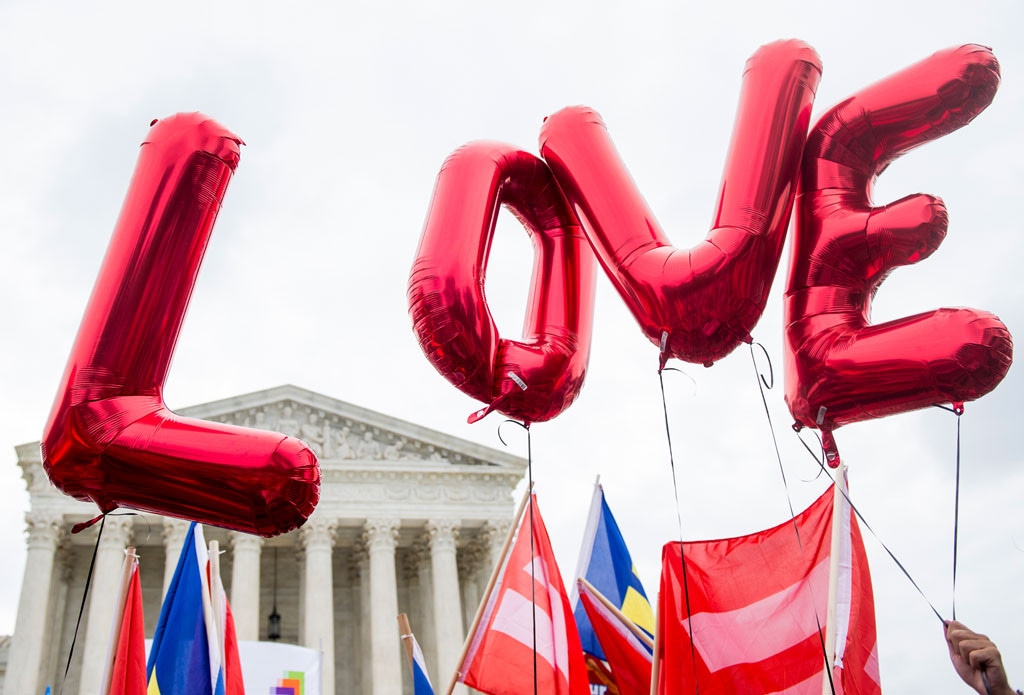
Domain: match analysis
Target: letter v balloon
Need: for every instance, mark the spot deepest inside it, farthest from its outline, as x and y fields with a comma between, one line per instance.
x=697, y=304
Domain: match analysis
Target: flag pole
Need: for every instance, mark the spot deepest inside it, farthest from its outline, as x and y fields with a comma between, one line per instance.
x=217, y=600
x=838, y=505
x=130, y=560
x=640, y=634
x=656, y=656
x=589, y=532
x=405, y=632
x=490, y=587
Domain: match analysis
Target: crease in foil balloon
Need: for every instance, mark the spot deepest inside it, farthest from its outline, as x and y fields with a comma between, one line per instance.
x=109, y=437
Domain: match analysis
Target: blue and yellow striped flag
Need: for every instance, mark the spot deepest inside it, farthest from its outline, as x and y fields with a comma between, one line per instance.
x=605, y=563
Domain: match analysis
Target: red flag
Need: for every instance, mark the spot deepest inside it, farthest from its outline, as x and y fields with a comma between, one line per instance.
x=128, y=674
x=529, y=591
x=628, y=657
x=234, y=684
x=756, y=604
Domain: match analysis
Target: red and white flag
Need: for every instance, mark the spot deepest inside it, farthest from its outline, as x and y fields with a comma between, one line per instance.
x=758, y=607
x=127, y=674
x=628, y=657
x=527, y=611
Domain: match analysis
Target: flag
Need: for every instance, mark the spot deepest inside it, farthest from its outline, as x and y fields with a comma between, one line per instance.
x=420, y=680
x=231, y=672
x=526, y=623
x=187, y=656
x=128, y=672
x=757, y=611
x=605, y=563
x=628, y=656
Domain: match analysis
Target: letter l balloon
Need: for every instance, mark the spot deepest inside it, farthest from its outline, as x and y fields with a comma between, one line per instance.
x=110, y=438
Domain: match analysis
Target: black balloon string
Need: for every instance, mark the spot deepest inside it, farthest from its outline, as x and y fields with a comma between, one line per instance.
x=762, y=386
x=533, y=551
x=864, y=521
x=958, y=410
x=679, y=518
x=78, y=528
x=85, y=593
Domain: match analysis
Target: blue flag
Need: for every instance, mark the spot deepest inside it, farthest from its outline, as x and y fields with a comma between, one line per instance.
x=420, y=680
x=605, y=563
x=184, y=658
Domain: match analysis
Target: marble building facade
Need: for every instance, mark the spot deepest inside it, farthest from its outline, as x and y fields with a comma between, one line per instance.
x=410, y=520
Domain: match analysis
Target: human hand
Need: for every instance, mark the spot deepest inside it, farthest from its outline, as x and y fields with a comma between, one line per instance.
x=976, y=660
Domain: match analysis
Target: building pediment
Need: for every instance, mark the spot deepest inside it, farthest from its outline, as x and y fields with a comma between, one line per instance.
x=343, y=434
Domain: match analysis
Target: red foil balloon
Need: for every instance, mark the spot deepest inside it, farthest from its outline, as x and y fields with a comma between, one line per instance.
x=697, y=304
x=534, y=379
x=840, y=368
x=110, y=438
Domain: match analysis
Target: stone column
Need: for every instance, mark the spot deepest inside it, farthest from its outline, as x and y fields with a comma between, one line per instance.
x=106, y=578
x=26, y=655
x=245, y=584
x=425, y=625
x=444, y=574
x=470, y=562
x=362, y=559
x=317, y=538
x=174, y=537
x=381, y=536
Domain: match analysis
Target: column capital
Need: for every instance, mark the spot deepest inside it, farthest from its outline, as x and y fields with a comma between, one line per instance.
x=173, y=532
x=117, y=531
x=381, y=533
x=415, y=556
x=318, y=531
x=442, y=533
x=471, y=559
x=240, y=541
x=495, y=532
x=44, y=530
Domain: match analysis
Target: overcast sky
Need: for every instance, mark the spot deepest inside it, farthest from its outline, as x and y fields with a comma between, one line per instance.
x=348, y=113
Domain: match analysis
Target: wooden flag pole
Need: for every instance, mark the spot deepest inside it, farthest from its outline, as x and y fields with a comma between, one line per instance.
x=656, y=657
x=405, y=633
x=640, y=634
x=495, y=573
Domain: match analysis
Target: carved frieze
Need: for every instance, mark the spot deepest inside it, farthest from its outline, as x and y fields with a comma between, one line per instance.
x=332, y=436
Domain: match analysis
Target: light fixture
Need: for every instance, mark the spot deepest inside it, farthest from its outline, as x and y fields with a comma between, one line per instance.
x=274, y=619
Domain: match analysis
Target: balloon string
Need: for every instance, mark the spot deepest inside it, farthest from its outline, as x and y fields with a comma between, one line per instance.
x=85, y=595
x=533, y=556
x=762, y=386
x=956, y=510
x=679, y=520
x=864, y=521
x=533, y=564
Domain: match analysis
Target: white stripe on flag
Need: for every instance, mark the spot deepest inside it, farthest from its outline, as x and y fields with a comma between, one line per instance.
x=733, y=637
x=515, y=619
